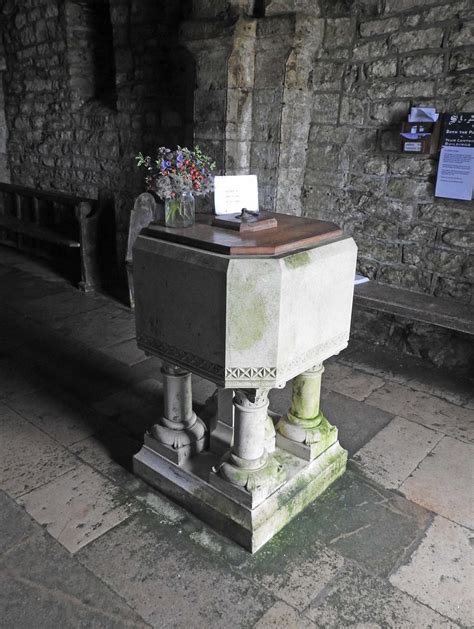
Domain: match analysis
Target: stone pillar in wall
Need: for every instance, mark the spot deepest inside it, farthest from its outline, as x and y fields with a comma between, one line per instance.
x=253, y=85
x=4, y=164
x=296, y=112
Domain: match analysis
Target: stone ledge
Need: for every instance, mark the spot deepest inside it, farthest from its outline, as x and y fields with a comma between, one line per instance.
x=425, y=308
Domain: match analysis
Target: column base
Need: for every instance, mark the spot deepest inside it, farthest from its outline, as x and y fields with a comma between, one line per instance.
x=251, y=527
x=185, y=443
x=307, y=444
x=256, y=485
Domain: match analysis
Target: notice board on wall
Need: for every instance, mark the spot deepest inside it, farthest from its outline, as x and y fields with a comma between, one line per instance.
x=456, y=163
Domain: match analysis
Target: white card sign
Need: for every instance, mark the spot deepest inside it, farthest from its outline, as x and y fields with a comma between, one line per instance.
x=234, y=192
x=455, y=173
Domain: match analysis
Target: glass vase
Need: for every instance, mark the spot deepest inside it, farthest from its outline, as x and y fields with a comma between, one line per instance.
x=180, y=212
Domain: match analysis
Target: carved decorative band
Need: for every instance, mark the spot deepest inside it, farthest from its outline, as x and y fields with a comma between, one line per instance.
x=251, y=373
x=178, y=356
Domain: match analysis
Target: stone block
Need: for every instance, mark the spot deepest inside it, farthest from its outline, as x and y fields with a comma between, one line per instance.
x=325, y=108
x=370, y=28
x=367, y=524
x=396, y=6
x=453, y=289
x=450, y=11
x=410, y=165
x=414, y=89
x=436, y=573
x=417, y=39
x=209, y=105
x=370, y=50
x=62, y=417
x=367, y=601
x=339, y=32
x=390, y=457
x=249, y=526
x=352, y=111
x=381, y=69
x=461, y=60
x=283, y=614
x=78, y=507
x=349, y=382
x=458, y=238
x=327, y=75
x=422, y=65
x=425, y=409
x=442, y=481
x=408, y=189
x=463, y=35
x=406, y=277
x=29, y=458
x=378, y=249
x=150, y=546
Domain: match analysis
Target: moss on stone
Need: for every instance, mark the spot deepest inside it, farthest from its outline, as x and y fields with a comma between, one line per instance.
x=297, y=260
x=248, y=323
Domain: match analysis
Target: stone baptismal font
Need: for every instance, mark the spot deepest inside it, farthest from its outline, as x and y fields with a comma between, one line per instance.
x=249, y=310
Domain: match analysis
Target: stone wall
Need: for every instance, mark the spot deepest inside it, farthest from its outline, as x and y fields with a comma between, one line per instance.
x=4, y=164
x=66, y=131
x=374, y=64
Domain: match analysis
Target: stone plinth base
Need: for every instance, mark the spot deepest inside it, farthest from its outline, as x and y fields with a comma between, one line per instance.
x=251, y=528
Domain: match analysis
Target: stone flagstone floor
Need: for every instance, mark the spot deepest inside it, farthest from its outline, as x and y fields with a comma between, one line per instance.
x=83, y=543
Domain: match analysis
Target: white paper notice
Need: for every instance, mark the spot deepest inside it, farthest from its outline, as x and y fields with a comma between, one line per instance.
x=234, y=192
x=423, y=114
x=455, y=173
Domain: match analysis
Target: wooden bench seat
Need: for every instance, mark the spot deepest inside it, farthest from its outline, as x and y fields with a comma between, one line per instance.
x=27, y=212
x=417, y=307
x=34, y=231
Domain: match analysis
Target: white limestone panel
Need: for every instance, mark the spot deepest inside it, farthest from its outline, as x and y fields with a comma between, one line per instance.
x=317, y=288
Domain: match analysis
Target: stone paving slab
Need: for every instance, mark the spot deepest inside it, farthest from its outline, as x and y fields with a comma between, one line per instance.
x=126, y=353
x=408, y=370
x=282, y=615
x=17, y=378
x=130, y=410
x=110, y=453
x=425, y=409
x=16, y=288
x=39, y=268
x=440, y=572
x=357, y=423
x=101, y=327
x=170, y=580
x=392, y=455
x=294, y=566
x=28, y=457
x=366, y=523
x=62, y=305
x=61, y=416
x=12, y=326
x=350, y=382
x=443, y=482
x=72, y=367
x=43, y=586
x=78, y=507
x=357, y=599
x=16, y=526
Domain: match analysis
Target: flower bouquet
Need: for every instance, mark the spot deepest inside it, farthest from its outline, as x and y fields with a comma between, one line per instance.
x=177, y=176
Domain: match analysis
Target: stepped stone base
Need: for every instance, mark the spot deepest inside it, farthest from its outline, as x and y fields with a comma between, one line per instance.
x=251, y=528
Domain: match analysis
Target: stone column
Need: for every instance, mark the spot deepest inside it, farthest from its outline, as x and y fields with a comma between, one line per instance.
x=179, y=433
x=247, y=471
x=304, y=430
x=221, y=436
